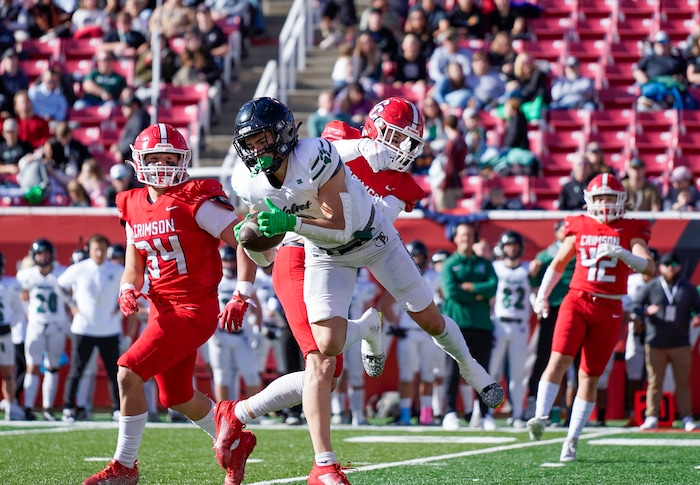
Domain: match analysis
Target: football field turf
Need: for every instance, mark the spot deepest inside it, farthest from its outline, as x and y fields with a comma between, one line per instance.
x=60, y=454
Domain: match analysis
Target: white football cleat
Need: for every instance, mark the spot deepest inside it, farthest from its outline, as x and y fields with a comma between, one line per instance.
x=651, y=422
x=535, y=428
x=689, y=424
x=373, y=357
x=568, y=450
x=489, y=423
x=450, y=422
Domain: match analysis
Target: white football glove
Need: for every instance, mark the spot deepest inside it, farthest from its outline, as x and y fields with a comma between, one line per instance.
x=541, y=307
x=378, y=156
x=608, y=250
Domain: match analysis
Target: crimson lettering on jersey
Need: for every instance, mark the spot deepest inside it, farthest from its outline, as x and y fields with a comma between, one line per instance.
x=182, y=259
x=608, y=276
x=401, y=185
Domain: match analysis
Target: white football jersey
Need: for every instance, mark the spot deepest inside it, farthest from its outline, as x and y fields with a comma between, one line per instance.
x=432, y=277
x=313, y=162
x=45, y=305
x=11, y=310
x=270, y=305
x=226, y=288
x=513, y=292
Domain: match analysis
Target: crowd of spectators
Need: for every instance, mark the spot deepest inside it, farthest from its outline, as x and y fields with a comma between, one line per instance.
x=58, y=58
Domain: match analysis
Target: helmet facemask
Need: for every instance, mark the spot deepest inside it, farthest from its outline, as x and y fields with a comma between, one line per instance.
x=266, y=159
x=604, y=211
x=174, y=172
x=404, y=144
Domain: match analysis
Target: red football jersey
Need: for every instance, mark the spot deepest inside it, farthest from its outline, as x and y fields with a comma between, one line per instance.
x=182, y=258
x=401, y=185
x=608, y=276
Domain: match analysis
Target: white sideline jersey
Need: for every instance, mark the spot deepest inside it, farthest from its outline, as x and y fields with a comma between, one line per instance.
x=513, y=291
x=45, y=305
x=312, y=163
x=11, y=310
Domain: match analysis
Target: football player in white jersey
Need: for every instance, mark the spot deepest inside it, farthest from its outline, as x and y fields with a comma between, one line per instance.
x=230, y=354
x=512, y=316
x=47, y=327
x=11, y=314
x=309, y=191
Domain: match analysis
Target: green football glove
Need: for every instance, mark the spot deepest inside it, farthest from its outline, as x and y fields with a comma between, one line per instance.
x=237, y=227
x=275, y=221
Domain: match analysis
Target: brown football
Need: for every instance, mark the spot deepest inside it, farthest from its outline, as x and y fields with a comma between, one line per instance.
x=253, y=239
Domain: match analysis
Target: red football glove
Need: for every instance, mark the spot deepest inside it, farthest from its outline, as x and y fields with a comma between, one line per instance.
x=128, y=296
x=231, y=318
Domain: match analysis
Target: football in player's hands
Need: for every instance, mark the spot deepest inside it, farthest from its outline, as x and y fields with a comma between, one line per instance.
x=252, y=238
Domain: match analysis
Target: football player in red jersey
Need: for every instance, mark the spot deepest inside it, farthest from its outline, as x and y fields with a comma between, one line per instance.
x=379, y=158
x=607, y=248
x=173, y=229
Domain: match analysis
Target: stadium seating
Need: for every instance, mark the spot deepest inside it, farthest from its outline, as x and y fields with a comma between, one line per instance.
x=40, y=49
x=33, y=68
x=80, y=48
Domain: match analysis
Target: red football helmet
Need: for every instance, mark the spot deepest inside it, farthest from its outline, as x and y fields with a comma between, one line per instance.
x=398, y=125
x=605, y=184
x=160, y=138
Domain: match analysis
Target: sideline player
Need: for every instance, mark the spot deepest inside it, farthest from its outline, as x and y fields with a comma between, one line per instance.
x=338, y=221
x=591, y=314
x=173, y=229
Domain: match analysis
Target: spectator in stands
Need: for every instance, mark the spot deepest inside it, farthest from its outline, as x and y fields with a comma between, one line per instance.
x=143, y=70
x=47, y=97
x=93, y=180
x=78, y=195
x=412, y=65
x=89, y=20
x=390, y=19
x=172, y=19
x=501, y=54
x=354, y=101
x=661, y=76
x=506, y=17
x=196, y=63
x=213, y=38
x=66, y=80
x=529, y=84
x=515, y=133
x=642, y=194
x=47, y=21
x=449, y=190
x=34, y=177
x=497, y=200
x=342, y=73
x=417, y=24
x=595, y=156
x=451, y=92
x=475, y=138
x=573, y=91
x=102, y=86
x=434, y=13
x=12, y=149
x=571, y=195
x=683, y=195
x=337, y=15
x=449, y=51
x=31, y=128
x=69, y=153
x=12, y=80
x=367, y=61
x=324, y=114
x=123, y=41
x=382, y=35
x=137, y=120
x=432, y=120
x=486, y=85
x=514, y=156
x=468, y=19
x=140, y=13
x=121, y=178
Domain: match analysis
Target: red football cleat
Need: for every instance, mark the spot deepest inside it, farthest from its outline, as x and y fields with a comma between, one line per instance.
x=236, y=469
x=327, y=475
x=228, y=430
x=115, y=474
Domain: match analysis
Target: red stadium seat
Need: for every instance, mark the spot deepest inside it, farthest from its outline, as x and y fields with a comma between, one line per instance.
x=90, y=116
x=678, y=29
x=125, y=68
x=557, y=164
x=587, y=50
x=551, y=50
x=638, y=9
x=80, y=48
x=688, y=144
x=38, y=49
x=569, y=119
x=633, y=29
x=679, y=9
x=627, y=52
x=593, y=29
x=689, y=120
x=616, y=98
x=611, y=120
x=652, y=142
x=665, y=120
x=563, y=142
x=618, y=75
x=596, y=9
x=33, y=68
x=78, y=68
x=546, y=28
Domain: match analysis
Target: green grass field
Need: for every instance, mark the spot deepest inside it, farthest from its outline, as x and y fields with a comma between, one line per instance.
x=58, y=454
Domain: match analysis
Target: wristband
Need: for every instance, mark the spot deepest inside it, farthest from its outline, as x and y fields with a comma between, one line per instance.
x=126, y=286
x=244, y=288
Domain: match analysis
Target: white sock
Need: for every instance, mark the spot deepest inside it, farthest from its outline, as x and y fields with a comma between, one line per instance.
x=353, y=334
x=325, y=458
x=337, y=402
x=580, y=412
x=405, y=402
x=453, y=343
x=284, y=392
x=49, y=389
x=130, y=434
x=546, y=394
x=31, y=389
x=438, y=393
x=207, y=422
x=357, y=400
